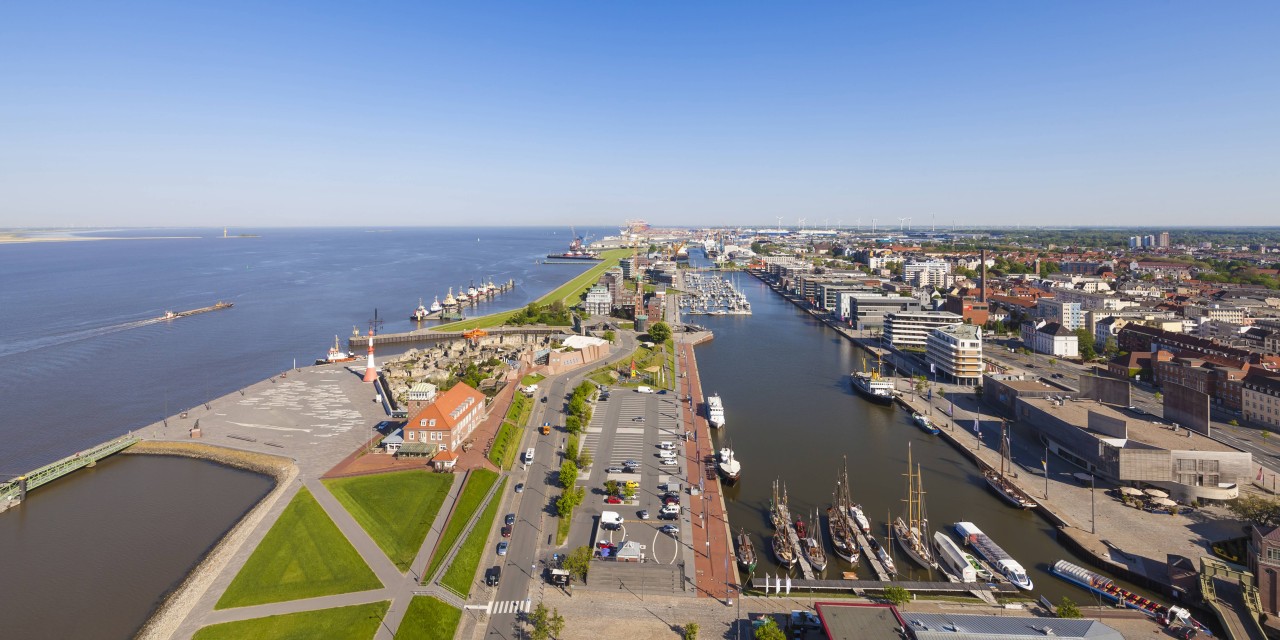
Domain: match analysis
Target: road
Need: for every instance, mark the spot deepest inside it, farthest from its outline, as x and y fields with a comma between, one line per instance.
x=535, y=508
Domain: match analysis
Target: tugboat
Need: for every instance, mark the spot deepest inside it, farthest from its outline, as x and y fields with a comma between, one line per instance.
x=729, y=467
x=435, y=305
x=420, y=313
x=463, y=298
x=336, y=354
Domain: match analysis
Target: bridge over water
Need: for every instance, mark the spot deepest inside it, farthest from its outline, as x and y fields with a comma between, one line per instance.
x=15, y=490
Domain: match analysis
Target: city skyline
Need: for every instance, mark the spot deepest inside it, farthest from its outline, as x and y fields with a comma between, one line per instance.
x=1055, y=115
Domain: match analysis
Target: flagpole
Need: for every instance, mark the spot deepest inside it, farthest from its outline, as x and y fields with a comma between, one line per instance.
x=1045, y=464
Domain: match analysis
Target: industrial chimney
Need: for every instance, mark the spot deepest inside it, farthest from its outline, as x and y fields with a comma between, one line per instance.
x=984, y=275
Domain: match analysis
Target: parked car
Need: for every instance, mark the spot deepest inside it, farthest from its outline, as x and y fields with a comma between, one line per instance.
x=520, y=487
x=643, y=514
x=630, y=463
x=502, y=548
x=613, y=470
x=669, y=529
x=493, y=576
x=671, y=500
x=544, y=399
x=613, y=500
x=506, y=531
x=510, y=519
x=668, y=515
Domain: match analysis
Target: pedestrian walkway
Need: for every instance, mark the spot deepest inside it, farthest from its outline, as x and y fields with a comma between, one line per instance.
x=510, y=606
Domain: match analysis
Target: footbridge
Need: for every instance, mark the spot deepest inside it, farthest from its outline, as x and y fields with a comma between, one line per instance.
x=15, y=490
x=1231, y=593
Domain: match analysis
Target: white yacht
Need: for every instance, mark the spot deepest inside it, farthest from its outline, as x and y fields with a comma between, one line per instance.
x=729, y=466
x=715, y=411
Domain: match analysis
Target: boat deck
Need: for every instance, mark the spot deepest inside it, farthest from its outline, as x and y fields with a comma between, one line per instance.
x=870, y=556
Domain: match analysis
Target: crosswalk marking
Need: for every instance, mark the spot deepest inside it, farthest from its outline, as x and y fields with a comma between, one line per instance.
x=510, y=606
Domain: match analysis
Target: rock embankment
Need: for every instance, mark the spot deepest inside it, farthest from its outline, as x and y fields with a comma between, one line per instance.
x=179, y=604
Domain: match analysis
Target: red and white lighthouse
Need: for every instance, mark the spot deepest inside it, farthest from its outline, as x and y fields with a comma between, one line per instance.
x=370, y=371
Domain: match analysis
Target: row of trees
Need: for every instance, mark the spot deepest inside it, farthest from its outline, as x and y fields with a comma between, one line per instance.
x=579, y=409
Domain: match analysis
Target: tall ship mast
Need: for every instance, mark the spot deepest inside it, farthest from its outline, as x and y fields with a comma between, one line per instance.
x=840, y=525
x=912, y=532
x=778, y=515
x=1003, y=487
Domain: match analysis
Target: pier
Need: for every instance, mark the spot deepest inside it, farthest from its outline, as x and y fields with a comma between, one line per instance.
x=15, y=491
x=428, y=336
x=876, y=566
x=861, y=587
x=798, y=548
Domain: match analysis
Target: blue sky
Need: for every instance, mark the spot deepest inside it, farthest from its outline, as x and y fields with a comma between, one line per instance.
x=386, y=113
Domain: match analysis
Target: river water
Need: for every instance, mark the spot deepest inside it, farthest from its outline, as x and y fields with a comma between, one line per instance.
x=791, y=415
x=91, y=555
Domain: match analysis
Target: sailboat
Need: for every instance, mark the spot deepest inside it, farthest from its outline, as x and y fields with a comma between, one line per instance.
x=912, y=533
x=1000, y=484
x=840, y=525
x=812, y=545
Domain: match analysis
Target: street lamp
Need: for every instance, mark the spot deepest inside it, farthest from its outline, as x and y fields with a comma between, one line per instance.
x=1093, y=509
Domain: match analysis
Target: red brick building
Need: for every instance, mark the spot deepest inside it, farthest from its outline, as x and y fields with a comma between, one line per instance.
x=445, y=423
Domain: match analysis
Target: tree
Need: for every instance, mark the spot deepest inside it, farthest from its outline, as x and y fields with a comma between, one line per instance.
x=1256, y=510
x=977, y=392
x=610, y=335
x=1086, y=341
x=611, y=487
x=1158, y=396
x=690, y=631
x=573, y=424
x=538, y=619
x=555, y=623
x=628, y=491
x=1068, y=609
x=919, y=383
x=660, y=332
x=1110, y=348
x=578, y=562
x=568, y=474
x=571, y=449
x=897, y=595
x=769, y=631
x=584, y=459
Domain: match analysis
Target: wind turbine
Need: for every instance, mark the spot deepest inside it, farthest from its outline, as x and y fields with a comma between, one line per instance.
x=827, y=222
x=873, y=225
x=800, y=224
x=779, y=222
x=902, y=223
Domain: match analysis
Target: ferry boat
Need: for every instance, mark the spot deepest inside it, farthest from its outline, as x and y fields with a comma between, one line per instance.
x=420, y=313
x=729, y=466
x=925, y=423
x=872, y=386
x=746, y=552
x=336, y=354
x=1104, y=587
x=993, y=554
x=715, y=411
x=958, y=563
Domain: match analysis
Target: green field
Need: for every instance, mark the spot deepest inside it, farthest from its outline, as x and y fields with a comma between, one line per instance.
x=358, y=622
x=503, y=452
x=478, y=484
x=396, y=509
x=533, y=378
x=568, y=293
x=519, y=411
x=463, y=567
x=304, y=555
x=428, y=619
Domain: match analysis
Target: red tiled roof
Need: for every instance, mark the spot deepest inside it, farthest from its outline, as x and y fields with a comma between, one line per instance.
x=442, y=409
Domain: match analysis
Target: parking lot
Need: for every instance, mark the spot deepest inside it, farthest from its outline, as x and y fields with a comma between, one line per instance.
x=624, y=439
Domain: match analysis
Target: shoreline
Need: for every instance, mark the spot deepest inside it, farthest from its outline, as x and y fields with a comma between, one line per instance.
x=179, y=603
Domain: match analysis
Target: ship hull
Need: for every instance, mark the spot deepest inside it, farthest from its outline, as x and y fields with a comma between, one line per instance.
x=1007, y=495
x=867, y=393
x=900, y=535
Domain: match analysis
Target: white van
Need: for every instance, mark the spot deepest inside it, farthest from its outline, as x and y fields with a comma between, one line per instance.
x=611, y=519
x=667, y=453
x=528, y=456
x=644, y=390
x=670, y=509
x=667, y=446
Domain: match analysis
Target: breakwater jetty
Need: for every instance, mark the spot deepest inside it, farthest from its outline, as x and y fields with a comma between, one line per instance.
x=14, y=491
x=427, y=336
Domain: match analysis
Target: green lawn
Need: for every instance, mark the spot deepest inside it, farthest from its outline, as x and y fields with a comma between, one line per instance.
x=568, y=293
x=396, y=509
x=503, y=452
x=428, y=619
x=463, y=568
x=562, y=527
x=304, y=555
x=533, y=378
x=478, y=484
x=517, y=409
x=357, y=622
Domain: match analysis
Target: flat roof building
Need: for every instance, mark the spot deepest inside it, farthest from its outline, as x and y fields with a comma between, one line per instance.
x=955, y=353
x=911, y=329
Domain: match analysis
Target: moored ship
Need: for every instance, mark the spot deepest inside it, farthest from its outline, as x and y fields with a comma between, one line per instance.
x=925, y=423
x=577, y=250
x=1001, y=484
x=715, y=411
x=1104, y=587
x=729, y=467
x=995, y=556
x=912, y=532
x=420, y=313
x=336, y=354
x=872, y=387
x=840, y=526
x=957, y=562
x=746, y=552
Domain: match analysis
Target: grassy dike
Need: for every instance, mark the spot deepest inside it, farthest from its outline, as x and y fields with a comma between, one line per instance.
x=568, y=293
